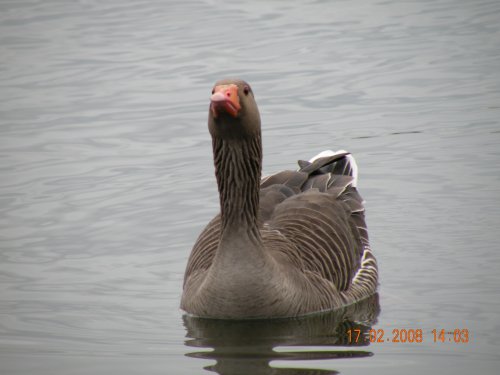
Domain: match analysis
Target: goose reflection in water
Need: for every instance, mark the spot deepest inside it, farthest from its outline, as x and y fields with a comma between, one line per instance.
x=248, y=347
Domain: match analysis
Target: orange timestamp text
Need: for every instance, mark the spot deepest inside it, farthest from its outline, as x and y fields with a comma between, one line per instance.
x=408, y=335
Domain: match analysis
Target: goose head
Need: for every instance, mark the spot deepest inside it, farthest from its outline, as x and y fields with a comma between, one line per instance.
x=233, y=111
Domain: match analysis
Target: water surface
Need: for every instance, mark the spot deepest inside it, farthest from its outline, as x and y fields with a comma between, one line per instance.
x=107, y=178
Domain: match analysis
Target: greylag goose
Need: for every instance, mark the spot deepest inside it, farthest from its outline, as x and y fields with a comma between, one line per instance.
x=290, y=244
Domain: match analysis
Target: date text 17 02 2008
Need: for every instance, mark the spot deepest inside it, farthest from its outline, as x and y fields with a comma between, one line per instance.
x=409, y=335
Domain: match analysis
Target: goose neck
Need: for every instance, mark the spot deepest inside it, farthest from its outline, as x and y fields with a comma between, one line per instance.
x=238, y=169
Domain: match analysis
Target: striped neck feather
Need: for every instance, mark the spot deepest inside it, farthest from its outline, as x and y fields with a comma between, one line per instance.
x=238, y=163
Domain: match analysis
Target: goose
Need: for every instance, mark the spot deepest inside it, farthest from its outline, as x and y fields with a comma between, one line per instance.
x=287, y=245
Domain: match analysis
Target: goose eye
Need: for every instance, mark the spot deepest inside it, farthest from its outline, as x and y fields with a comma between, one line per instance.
x=246, y=90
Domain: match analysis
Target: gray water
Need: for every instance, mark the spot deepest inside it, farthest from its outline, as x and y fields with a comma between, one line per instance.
x=106, y=177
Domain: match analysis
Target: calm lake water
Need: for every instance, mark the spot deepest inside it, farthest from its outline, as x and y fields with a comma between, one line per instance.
x=107, y=177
